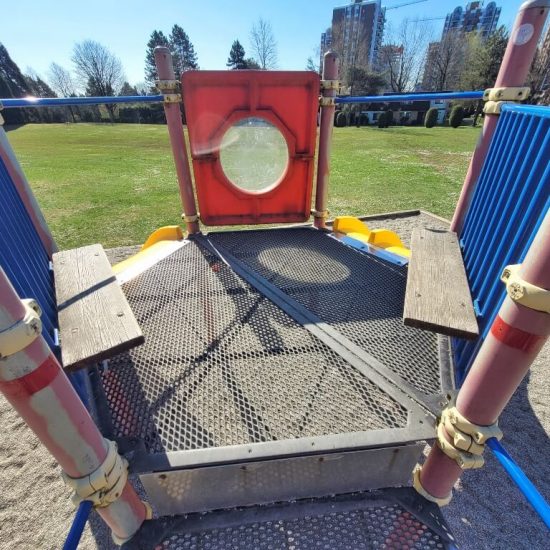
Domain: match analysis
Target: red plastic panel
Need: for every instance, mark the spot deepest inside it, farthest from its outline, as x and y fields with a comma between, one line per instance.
x=216, y=100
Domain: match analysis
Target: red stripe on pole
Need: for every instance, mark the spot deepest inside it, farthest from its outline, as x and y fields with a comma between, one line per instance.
x=33, y=382
x=515, y=337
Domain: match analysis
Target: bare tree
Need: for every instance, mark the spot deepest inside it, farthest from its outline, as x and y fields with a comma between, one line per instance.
x=448, y=61
x=401, y=59
x=61, y=81
x=99, y=70
x=263, y=44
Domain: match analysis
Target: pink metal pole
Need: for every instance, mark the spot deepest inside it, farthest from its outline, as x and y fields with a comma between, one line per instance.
x=36, y=386
x=330, y=73
x=513, y=72
x=165, y=69
x=516, y=337
x=23, y=189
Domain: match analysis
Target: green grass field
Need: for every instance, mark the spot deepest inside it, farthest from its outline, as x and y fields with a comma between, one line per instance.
x=115, y=184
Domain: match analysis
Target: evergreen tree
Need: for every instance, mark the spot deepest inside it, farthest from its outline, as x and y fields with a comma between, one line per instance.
x=183, y=52
x=126, y=89
x=236, y=58
x=157, y=39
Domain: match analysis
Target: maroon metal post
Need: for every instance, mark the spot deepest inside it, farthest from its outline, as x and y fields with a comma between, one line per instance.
x=513, y=72
x=33, y=381
x=172, y=110
x=330, y=76
x=516, y=337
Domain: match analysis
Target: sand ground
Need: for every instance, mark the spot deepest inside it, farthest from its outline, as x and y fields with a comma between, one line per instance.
x=487, y=512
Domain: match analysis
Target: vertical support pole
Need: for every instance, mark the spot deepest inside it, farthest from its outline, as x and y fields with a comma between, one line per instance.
x=513, y=72
x=23, y=189
x=34, y=383
x=330, y=73
x=165, y=70
x=516, y=337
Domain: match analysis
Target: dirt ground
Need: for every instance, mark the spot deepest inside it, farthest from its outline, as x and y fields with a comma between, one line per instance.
x=487, y=511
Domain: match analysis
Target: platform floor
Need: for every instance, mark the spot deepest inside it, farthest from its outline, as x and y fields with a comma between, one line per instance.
x=223, y=365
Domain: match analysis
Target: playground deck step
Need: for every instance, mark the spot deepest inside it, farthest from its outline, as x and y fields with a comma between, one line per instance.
x=438, y=295
x=95, y=320
x=394, y=518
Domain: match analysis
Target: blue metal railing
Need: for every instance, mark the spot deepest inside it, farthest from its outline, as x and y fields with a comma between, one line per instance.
x=23, y=256
x=14, y=103
x=435, y=96
x=509, y=203
x=529, y=491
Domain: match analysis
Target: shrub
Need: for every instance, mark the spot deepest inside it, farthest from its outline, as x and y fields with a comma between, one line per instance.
x=341, y=119
x=431, y=118
x=457, y=116
x=384, y=119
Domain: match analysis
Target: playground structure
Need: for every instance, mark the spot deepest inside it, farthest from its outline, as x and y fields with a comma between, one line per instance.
x=270, y=366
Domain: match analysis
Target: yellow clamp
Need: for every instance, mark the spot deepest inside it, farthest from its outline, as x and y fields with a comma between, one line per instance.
x=420, y=490
x=104, y=485
x=321, y=214
x=190, y=219
x=480, y=434
x=167, y=84
x=327, y=101
x=524, y=293
x=464, y=459
x=507, y=93
x=330, y=84
x=24, y=332
x=495, y=98
x=172, y=98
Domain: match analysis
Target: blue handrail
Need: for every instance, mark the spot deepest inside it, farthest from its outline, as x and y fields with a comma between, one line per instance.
x=13, y=103
x=442, y=96
x=79, y=522
x=530, y=492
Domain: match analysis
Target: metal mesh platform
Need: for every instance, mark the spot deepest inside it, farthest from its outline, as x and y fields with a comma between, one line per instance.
x=359, y=295
x=390, y=520
x=223, y=366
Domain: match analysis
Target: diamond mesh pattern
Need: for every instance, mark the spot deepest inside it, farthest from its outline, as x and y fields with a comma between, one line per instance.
x=380, y=527
x=221, y=365
x=359, y=295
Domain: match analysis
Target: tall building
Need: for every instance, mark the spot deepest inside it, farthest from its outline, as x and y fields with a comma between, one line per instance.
x=429, y=79
x=326, y=44
x=475, y=17
x=356, y=33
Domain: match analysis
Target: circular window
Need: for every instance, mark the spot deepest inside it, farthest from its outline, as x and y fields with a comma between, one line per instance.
x=253, y=154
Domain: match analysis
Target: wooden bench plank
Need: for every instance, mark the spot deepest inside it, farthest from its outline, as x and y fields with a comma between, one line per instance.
x=438, y=296
x=95, y=320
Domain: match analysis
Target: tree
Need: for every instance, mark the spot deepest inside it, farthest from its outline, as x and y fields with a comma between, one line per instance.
x=483, y=59
x=126, y=89
x=431, y=118
x=401, y=58
x=183, y=51
x=364, y=82
x=236, y=58
x=62, y=82
x=312, y=66
x=157, y=38
x=448, y=61
x=263, y=44
x=251, y=63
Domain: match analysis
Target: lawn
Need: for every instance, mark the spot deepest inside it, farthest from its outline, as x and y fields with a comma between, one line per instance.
x=115, y=184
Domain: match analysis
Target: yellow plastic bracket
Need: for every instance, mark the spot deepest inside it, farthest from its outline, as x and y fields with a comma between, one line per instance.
x=330, y=84
x=105, y=484
x=172, y=98
x=167, y=84
x=327, y=101
x=166, y=233
x=320, y=214
x=420, y=490
x=17, y=337
x=510, y=93
x=525, y=293
x=465, y=459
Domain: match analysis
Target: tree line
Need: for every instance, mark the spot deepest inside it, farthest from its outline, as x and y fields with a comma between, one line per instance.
x=96, y=71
